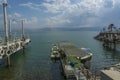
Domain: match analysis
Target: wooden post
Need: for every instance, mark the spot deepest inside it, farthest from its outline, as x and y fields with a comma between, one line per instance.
x=8, y=60
x=5, y=21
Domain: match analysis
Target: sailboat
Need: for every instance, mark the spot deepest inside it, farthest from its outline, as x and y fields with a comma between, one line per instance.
x=10, y=47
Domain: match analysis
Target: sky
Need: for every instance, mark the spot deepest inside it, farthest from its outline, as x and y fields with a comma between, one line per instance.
x=62, y=13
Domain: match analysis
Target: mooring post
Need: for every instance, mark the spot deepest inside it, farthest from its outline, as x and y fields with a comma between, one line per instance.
x=8, y=60
x=114, y=46
x=114, y=41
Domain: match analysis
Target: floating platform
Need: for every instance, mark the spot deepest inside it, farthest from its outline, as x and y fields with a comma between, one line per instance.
x=71, y=57
x=71, y=50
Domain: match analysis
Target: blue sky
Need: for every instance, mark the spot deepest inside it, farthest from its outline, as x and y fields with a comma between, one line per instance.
x=63, y=13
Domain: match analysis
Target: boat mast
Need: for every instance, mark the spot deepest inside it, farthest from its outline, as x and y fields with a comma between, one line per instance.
x=9, y=29
x=5, y=21
x=22, y=21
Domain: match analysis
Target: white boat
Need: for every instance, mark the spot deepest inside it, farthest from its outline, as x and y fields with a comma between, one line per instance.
x=55, y=52
x=88, y=56
x=8, y=47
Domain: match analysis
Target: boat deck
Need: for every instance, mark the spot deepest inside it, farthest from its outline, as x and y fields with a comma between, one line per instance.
x=71, y=50
x=70, y=62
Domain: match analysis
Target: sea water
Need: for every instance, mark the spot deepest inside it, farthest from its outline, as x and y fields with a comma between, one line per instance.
x=34, y=63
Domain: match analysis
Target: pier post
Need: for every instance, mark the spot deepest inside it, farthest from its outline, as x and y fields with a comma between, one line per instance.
x=23, y=38
x=8, y=61
x=5, y=22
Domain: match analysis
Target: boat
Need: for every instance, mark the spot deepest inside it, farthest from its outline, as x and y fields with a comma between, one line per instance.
x=71, y=68
x=88, y=56
x=71, y=65
x=55, y=52
x=8, y=47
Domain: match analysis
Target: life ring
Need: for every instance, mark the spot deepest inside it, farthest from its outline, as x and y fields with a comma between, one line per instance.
x=8, y=52
x=2, y=52
x=5, y=48
x=17, y=45
x=22, y=44
x=11, y=48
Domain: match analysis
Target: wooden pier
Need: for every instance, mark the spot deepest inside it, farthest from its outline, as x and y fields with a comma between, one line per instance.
x=71, y=64
x=110, y=37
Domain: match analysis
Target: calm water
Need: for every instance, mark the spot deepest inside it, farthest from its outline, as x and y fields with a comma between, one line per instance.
x=34, y=62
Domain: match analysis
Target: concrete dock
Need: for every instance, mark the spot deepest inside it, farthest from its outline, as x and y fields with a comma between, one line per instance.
x=111, y=73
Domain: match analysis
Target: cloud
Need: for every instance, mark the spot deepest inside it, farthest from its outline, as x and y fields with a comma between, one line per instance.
x=31, y=5
x=55, y=6
x=81, y=13
x=32, y=20
x=72, y=13
x=57, y=20
x=1, y=2
x=116, y=2
x=15, y=16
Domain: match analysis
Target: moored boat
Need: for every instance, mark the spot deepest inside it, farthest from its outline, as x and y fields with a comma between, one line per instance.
x=9, y=46
x=88, y=56
x=71, y=64
x=55, y=52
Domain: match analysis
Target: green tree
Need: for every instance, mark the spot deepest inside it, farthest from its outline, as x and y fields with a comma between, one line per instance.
x=111, y=27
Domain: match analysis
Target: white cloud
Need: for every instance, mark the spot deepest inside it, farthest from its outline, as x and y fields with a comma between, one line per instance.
x=67, y=12
x=77, y=13
x=17, y=14
x=32, y=6
x=32, y=20
x=16, y=18
x=55, y=6
x=116, y=2
x=57, y=20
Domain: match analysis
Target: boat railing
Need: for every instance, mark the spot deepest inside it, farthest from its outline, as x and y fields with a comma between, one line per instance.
x=86, y=72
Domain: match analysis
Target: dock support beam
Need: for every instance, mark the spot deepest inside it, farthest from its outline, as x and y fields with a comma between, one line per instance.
x=8, y=61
